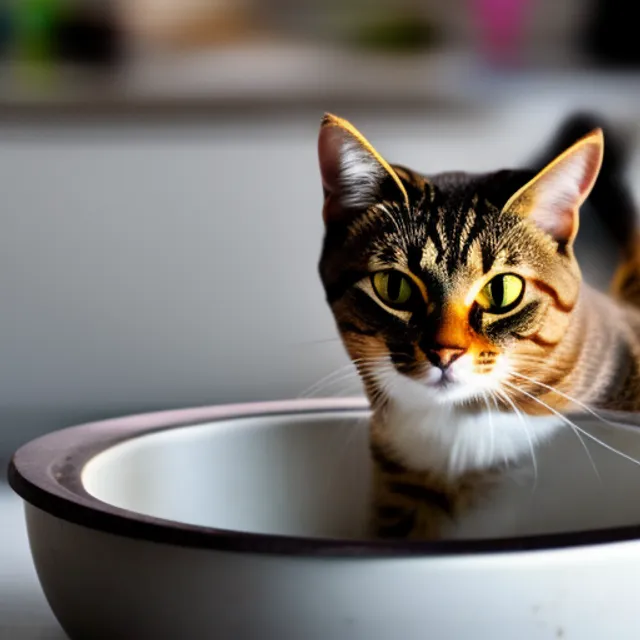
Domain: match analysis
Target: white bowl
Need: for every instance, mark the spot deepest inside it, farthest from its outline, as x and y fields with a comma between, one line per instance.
x=247, y=521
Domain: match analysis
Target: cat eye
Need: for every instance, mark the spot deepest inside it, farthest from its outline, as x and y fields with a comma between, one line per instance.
x=393, y=288
x=502, y=293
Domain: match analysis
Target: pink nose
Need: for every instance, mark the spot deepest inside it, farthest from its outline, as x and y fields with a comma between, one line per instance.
x=443, y=357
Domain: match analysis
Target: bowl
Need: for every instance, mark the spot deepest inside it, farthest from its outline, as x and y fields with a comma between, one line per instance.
x=249, y=521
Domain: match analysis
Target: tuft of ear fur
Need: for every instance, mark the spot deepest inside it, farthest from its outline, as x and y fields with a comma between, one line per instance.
x=354, y=174
x=552, y=199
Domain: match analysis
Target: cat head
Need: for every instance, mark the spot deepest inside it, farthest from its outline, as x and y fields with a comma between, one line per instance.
x=444, y=287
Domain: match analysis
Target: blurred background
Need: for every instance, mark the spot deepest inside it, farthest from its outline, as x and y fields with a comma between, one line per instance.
x=160, y=203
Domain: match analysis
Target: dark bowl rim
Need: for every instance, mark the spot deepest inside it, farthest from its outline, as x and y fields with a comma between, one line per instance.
x=46, y=473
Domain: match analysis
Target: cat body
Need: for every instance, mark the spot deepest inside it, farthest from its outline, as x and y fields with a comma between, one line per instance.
x=460, y=300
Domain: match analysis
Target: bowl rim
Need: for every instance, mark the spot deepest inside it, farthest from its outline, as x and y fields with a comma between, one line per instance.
x=47, y=474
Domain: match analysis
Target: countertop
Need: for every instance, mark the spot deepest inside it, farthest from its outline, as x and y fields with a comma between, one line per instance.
x=257, y=76
x=276, y=75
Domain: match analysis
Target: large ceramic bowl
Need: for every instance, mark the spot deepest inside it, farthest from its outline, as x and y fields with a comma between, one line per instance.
x=247, y=522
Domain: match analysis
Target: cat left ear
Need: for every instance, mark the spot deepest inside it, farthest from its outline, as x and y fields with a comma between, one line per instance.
x=552, y=199
x=354, y=174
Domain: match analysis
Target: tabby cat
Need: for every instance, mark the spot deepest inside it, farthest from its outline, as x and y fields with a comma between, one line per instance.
x=460, y=300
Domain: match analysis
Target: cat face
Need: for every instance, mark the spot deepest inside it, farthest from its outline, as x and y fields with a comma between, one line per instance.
x=444, y=287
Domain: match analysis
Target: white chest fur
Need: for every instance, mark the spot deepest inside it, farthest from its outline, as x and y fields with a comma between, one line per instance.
x=447, y=440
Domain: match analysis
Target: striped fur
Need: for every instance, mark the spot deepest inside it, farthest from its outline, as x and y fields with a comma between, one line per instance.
x=440, y=436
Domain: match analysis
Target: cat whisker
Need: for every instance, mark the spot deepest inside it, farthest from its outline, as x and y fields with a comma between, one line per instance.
x=381, y=389
x=305, y=343
x=492, y=435
x=576, y=429
x=335, y=376
x=580, y=404
x=584, y=406
x=344, y=374
x=521, y=418
x=326, y=383
x=378, y=397
x=492, y=395
x=348, y=388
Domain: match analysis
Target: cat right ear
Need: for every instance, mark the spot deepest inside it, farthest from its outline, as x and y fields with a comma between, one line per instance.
x=354, y=175
x=552, y=199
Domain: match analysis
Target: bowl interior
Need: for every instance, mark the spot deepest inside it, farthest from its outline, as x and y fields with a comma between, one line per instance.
x=309, y=475
x=296, y=474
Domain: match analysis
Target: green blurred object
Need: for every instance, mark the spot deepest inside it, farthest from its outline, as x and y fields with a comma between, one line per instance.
x=395, y=32
x=36, y=24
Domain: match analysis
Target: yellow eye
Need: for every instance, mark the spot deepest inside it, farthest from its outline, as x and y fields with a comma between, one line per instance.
x=393, y=288
x=502, y=293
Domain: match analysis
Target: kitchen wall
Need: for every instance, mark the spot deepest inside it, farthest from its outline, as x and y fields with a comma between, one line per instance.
x=157, y=264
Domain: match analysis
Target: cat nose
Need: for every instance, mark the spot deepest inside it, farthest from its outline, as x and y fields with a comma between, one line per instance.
x=443, y=357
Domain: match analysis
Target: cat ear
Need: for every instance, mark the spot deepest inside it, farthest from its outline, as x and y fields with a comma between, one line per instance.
x=552, y=199
x=354, y=175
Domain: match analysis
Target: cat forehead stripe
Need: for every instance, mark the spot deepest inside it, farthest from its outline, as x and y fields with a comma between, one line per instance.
x=429, y=254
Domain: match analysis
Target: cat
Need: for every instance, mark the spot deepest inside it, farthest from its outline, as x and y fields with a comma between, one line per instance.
x=460, y=300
